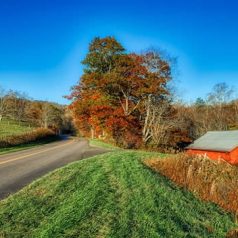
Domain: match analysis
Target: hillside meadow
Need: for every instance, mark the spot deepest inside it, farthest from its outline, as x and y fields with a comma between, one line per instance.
x=11, y=127
x=16, y=136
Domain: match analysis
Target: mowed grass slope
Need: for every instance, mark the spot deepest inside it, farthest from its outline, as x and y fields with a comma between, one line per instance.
x=110, y=195
x=10, y=127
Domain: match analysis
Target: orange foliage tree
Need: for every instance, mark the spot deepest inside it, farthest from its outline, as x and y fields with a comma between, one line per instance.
x=109, y=101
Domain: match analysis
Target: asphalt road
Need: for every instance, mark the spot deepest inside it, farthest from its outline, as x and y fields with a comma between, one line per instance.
x=21, y=168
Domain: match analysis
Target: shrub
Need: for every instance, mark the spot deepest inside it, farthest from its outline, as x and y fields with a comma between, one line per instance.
x=36, y=135
x=215, y=181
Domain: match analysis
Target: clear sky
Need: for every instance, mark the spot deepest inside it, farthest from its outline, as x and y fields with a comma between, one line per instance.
x=42, y=42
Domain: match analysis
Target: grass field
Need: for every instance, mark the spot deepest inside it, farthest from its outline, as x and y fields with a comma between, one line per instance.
x=111, y=195
x=9, y=128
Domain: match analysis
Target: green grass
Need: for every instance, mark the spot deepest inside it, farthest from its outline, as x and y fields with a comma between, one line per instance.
x=10, y=127
x=99, y=143
x=111, y=195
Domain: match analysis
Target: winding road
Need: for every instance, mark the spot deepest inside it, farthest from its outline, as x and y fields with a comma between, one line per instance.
x=20, y=168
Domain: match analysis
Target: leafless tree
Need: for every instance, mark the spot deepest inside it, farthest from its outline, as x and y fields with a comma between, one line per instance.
x=2, y=103
x=158, y=122
x=217, y=100
x=51, y=115
x=235, y=106
x=15, y=105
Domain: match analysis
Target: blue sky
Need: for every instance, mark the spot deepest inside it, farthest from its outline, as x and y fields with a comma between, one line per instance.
x=42, y=42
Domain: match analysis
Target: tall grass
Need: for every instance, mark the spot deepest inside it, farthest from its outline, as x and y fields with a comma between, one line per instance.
x=215, y=181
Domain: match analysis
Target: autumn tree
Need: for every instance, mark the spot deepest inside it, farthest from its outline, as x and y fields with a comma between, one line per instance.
x=125, y=84
x=112, y=93
x=90, y=104
x=90, y=110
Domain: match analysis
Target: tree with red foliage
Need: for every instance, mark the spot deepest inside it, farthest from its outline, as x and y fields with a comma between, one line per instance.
x=112, y=93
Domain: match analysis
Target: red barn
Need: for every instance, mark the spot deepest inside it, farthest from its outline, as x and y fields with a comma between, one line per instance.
x=217, y=145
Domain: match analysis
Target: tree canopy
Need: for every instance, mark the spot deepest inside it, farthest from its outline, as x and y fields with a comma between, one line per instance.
x=110, y=100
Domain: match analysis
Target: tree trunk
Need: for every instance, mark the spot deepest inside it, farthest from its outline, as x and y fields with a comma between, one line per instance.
x=92, y=133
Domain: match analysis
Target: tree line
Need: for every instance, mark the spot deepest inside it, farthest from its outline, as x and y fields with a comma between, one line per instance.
x=217, y=112
x=19, y=107
x=126, y=98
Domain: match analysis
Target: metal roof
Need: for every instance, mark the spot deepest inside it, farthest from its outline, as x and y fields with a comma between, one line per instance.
x=224, y=141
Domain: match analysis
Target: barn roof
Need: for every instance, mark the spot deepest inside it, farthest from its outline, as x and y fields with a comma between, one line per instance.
x=224, y=141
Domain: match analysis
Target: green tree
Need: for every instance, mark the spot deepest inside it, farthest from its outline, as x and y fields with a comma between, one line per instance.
x=102, y=55
x=200, y=102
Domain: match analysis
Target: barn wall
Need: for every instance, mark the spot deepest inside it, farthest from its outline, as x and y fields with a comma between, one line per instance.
x=234, y=156
x=215, y=155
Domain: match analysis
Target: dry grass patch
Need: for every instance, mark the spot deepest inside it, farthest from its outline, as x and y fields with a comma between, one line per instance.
x=215, y=181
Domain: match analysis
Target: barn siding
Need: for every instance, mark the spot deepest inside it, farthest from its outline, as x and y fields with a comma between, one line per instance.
x=234, y=156
x=215, y=155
